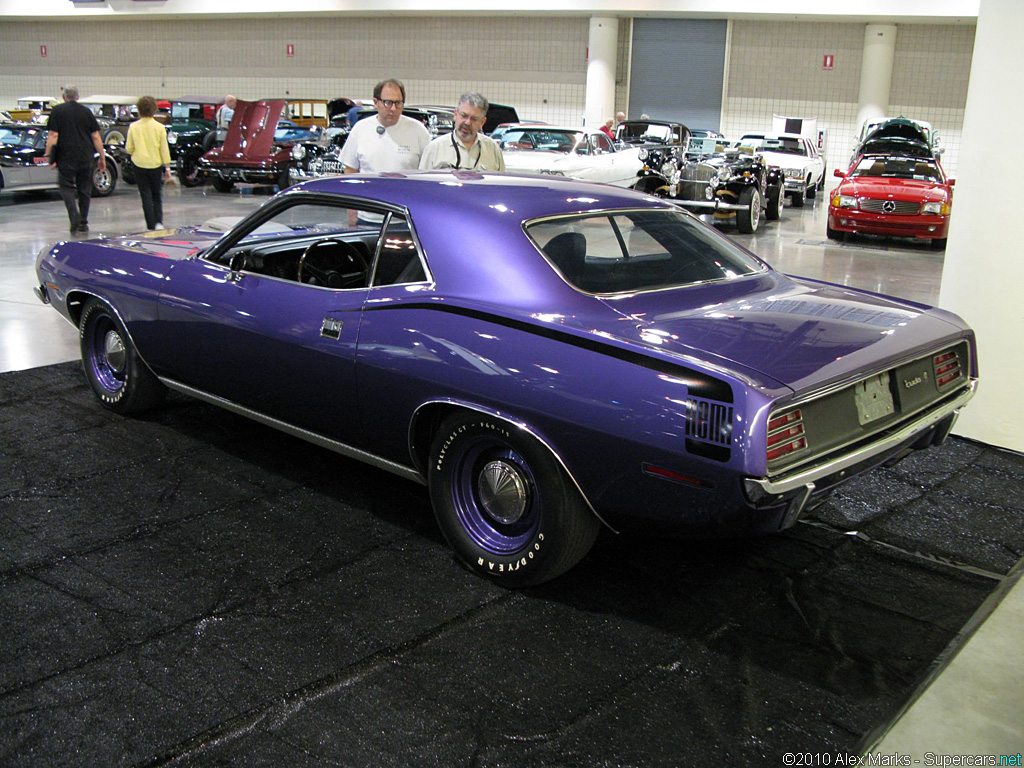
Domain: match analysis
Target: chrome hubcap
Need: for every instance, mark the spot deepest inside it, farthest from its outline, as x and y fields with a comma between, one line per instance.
x=113, y=350
x=503, y=493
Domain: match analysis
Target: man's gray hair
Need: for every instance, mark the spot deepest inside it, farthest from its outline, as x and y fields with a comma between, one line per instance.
x=474, y=100
x=70, y=92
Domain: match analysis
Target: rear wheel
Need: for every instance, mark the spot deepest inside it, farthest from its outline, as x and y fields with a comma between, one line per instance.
x=116, y=373
x=104, y=182
x=748, y=218
x=222, y=185
x=798, y=199
x=504, y=504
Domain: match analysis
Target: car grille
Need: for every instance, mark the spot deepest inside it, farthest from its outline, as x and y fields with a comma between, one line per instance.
x=698, y=172
x=903, y=207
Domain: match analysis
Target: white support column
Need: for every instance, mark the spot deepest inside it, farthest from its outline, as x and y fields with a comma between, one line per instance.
x=601, y=57
x=981, y=275
x=876, y=72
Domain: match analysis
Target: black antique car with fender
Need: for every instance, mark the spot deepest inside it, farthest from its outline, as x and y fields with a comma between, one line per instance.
x=704, y=176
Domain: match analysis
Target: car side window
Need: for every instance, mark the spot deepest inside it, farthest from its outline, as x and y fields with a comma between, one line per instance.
x=317, y=244
x=398, y=258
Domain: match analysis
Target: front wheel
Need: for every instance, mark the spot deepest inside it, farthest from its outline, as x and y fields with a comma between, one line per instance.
x=504, y=504
x=748, y=218
x=222, y=185
x=188, y=168
x=812, y=189
x=938, y=244
x=121, y=380
x=776, y=202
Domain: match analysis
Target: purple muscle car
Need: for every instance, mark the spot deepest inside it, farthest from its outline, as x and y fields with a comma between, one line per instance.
x=547, y=356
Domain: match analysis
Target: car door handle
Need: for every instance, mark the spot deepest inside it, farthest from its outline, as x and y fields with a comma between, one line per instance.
x=332, y=328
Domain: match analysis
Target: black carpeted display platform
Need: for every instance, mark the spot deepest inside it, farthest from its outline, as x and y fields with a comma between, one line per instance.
x=190, y=588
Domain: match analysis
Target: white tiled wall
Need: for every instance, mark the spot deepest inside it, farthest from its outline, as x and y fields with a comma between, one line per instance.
x=777, y=68
x=537, y=64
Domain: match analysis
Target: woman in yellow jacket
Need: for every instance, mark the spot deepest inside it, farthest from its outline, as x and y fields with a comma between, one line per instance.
x=147, y=145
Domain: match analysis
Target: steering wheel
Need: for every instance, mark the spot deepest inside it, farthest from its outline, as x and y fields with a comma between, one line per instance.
x=340, y=266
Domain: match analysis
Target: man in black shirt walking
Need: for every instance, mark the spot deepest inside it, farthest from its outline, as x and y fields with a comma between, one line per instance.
x=71, y=147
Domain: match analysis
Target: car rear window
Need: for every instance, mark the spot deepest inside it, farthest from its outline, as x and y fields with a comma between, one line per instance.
x=643, y=250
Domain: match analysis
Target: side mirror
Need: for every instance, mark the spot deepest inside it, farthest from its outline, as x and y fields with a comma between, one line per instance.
x=951, y=182
x=239, y=262
x=838, y=172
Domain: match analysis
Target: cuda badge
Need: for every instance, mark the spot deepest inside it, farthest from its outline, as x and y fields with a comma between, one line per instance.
x=908, y=383
x=331, y=328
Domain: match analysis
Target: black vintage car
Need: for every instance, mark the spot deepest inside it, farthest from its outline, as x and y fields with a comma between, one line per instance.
x=322, y=156
x=703, y=175
x=23, y=165
x=190, y=128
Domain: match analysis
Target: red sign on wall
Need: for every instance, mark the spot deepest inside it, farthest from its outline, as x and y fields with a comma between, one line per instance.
x=42, y=51
x=828, y=61
x=290, y=51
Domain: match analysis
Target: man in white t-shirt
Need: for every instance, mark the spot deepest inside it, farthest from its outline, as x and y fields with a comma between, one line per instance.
x=389, y=142
x=466, y=148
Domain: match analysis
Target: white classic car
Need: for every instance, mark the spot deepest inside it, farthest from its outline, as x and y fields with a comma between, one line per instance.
x=580, y=153
x=798, y=158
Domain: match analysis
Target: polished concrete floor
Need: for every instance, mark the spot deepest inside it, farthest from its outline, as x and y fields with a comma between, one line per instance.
x=975, y=702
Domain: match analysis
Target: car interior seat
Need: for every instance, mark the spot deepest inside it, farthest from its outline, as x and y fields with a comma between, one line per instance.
x=568, y=252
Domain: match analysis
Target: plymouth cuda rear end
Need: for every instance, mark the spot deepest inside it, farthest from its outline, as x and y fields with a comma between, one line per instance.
x=547, y=356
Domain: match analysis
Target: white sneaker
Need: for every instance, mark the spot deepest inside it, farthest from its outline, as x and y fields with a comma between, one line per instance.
x=158, y=226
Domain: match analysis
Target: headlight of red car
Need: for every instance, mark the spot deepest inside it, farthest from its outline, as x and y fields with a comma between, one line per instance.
x=844, y=201
x=936, y=208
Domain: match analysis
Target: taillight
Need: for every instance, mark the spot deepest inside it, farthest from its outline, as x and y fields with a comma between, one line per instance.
x=786, y=434
x=947, y=369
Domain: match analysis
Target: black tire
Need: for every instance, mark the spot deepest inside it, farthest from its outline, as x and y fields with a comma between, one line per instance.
x=504, y=504
x=938, y=244
x=118, y=376
x=222, y=185
x=798, y=199
x=187, y=167
x=283, y=181
x=748, y=218
x=104, y=182
x=812, y=190
x=834, y=234
x=776, y=202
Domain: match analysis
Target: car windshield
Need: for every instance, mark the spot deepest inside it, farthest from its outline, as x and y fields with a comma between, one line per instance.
x=638, y=250
x=783, y=145
x=182, y=111
x=542, y=138
x=646, y=133
x=286, y=133
x=13, y=137
x=898, y=168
